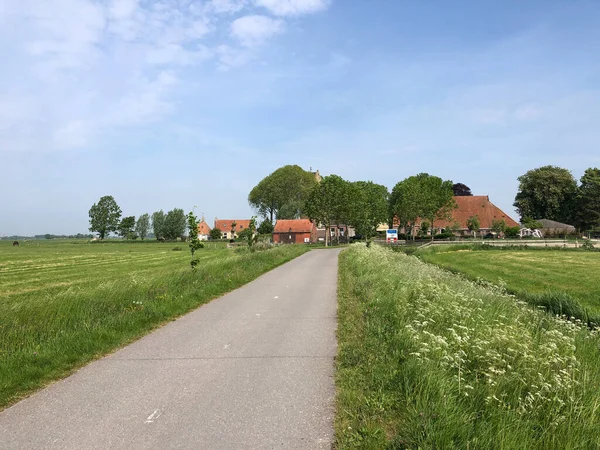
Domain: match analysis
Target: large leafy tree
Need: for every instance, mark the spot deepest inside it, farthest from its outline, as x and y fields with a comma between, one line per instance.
x=126, y=227
x=588, y=214
x=158, y=224
x=175, y=224
x=104, y=216
x=142, y=226
x=547, y=192
x=327, y=203
x=405, y=203
x=369, y=207
x=283, y=193
x=421, y=196
x=461, y=190
x=438, y=198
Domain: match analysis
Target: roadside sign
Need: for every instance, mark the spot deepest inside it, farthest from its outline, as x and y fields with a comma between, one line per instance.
x=391, y=236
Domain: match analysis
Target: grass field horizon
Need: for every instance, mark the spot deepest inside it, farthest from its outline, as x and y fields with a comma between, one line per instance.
x=65, y=303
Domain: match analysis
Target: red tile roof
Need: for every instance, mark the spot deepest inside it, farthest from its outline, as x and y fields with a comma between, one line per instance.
x=294, y=226
x=477, y=205
x=203, y=228
x=225, y=225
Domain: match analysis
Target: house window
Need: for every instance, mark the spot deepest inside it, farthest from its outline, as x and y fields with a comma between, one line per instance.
x=241, y=227
x=224, y=235
x=332, y=231
x=341, y=231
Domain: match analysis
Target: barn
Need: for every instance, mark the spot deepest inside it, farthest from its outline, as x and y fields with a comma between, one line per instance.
x=301, y=231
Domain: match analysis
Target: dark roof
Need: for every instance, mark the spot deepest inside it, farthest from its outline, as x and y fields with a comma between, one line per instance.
x=553, y=224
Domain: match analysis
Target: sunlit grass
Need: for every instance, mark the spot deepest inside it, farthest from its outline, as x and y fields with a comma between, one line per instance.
x=63, y=304
x=431, y=360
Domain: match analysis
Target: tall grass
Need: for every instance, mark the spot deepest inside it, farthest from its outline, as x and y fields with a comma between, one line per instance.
x=102, y=300
x=431, y=360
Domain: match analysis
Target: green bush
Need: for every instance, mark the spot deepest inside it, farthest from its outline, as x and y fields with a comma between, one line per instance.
x=512, y=232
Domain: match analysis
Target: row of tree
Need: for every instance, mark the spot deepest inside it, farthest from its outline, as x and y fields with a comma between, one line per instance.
x=105, y=218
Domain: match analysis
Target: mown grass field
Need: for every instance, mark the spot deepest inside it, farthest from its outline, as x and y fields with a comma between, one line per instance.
x=65, y=303
x=529, y=271
x=430, y=360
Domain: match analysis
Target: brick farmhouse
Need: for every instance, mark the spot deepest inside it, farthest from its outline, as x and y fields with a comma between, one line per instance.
x=301, y=231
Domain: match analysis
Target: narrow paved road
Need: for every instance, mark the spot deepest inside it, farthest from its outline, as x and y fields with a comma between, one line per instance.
x=251, y=370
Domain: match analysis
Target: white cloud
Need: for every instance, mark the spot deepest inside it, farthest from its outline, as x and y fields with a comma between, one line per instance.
x=225, y=6
x=122, y=9
x=293, y=7
x=230, y=57
x=72, y=135
x=177, y=55
x=255, y=30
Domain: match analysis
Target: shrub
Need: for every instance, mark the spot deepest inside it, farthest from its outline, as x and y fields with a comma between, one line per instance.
x=512, y=232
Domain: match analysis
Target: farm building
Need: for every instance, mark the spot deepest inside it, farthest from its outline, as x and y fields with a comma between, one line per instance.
x=466, y=207
x=226, y=225
x=552, y=228
x=301, y=231
x=203, y=230
x=476, y=205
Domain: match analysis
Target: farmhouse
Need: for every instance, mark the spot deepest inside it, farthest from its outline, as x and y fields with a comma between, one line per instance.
x=203, y=230
x=301, y=231
x=476, y=205
x=226, y=226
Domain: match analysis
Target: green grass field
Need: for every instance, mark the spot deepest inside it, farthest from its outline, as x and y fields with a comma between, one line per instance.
x=430, y=360
x=529, y=271
x=65, y=303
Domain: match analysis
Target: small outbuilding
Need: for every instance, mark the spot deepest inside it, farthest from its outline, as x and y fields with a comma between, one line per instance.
x=300, y=231
x=554, y=228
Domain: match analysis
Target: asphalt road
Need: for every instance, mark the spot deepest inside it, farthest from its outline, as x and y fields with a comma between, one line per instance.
x=250, y=370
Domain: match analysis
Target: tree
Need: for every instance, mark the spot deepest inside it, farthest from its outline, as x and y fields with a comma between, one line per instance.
x=142, y=226
x=126, y=227
x=104, y=216
x=282, y=193
x=498, y=225
x=547, y=192
x=194, y=244
x=326, y=204
x=422, y=196
x=158, y=224
x=216, y=233
x=265, y=228
x=473, y=224
x=405, y=203
x=369, y=207
x=175, y=224
x=461, y=190
x=588, y=201
x=233, y=227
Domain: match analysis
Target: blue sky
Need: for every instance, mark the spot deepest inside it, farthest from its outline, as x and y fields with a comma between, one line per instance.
x=181, y=103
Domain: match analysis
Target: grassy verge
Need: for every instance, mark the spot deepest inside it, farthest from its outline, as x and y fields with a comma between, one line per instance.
x=61, y=308
x=557, y=279
x=431, y=360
